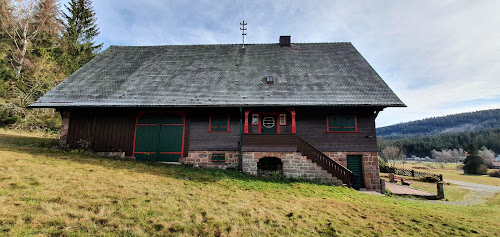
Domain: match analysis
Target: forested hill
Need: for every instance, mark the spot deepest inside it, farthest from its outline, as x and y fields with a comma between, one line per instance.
x=455, y=123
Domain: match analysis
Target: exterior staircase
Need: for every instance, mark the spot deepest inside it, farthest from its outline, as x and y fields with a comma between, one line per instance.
x=313, y=163
x=324, y=162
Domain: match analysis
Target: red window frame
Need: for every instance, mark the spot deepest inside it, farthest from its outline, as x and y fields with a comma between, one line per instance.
x=210, y=123
x=258, y=120
x=355, y=124
x=279, y=120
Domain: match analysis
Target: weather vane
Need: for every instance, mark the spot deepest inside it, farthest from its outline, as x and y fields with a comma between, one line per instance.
x=243, y=34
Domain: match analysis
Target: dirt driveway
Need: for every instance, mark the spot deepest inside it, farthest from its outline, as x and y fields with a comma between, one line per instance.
x=479, y=192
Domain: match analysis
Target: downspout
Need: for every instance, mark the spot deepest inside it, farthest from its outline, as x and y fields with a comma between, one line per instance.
x=240, y=144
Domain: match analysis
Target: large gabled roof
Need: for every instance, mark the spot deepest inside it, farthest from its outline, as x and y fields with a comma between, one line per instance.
x=306, y=74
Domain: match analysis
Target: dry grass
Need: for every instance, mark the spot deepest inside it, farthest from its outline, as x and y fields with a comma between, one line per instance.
x=49, y=192
x=450, y=171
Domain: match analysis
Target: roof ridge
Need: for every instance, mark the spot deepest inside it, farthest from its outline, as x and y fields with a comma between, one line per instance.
x=175, y=45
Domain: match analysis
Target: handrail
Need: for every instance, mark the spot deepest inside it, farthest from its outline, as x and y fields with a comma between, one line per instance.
x=327, y=163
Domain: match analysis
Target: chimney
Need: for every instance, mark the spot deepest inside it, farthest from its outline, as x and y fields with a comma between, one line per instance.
x=285, y=41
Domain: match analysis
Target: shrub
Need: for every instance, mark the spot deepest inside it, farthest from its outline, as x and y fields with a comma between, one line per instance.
x=495, y=173
x=430, y=179
x=381, y=162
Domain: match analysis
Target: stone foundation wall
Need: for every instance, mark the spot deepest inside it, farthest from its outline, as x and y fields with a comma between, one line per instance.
x=369, y=161
x=204, y=159
x=295, y=165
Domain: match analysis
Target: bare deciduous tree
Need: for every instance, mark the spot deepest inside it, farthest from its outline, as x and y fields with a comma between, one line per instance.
x=22, y=21
x=487, y=155
x=392, y=154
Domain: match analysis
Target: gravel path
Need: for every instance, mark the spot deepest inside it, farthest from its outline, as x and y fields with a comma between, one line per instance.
x=479, y=192
x=475, y=187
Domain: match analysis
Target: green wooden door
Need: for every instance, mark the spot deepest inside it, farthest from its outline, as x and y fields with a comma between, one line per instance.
x=159, y=137
x=354, y=164
x=170, y=147
x=268, y=124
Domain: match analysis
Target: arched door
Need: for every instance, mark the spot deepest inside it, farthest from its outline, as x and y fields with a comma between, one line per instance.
x=159, y=137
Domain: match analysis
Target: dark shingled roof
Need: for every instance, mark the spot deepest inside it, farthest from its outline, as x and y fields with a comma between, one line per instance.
x=320, y=74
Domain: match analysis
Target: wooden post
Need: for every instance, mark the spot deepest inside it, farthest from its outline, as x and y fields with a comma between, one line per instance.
x=391, y=177
x=382, y=186
x=440, y=190
x=441, y=177
x=412, y=173
x=294, y=125
x=63, y=137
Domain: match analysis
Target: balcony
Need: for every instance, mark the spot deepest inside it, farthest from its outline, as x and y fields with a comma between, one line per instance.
x=269, y=142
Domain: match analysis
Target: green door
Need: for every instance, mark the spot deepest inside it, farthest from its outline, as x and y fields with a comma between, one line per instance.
x=354, y=164
x=268, y=124
x=159, y=137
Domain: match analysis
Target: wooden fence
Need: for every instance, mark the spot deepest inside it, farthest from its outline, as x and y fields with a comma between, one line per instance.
x=411, y=173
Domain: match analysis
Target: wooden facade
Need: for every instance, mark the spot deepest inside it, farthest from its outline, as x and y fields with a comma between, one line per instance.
x=113, y=130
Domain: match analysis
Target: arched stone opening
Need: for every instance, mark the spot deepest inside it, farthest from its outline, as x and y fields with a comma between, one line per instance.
x=269, y=166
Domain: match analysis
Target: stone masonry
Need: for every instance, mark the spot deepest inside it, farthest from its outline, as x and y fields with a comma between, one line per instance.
x=369, y=161
x=203, y=159
x=295, y=165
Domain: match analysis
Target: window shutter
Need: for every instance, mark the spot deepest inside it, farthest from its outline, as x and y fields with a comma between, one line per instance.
x=219, y=122
x=345, y=123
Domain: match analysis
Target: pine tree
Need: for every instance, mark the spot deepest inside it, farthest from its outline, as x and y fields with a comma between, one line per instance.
x=80, y=29
x=473, y=163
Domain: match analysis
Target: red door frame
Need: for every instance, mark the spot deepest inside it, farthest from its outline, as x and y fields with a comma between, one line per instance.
x=183, y=116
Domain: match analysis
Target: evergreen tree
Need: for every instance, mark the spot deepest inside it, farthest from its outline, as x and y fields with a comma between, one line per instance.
x=80, y=29
x=473, y=163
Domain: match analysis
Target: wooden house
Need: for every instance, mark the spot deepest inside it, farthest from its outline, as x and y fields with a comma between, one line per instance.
x=301, y=110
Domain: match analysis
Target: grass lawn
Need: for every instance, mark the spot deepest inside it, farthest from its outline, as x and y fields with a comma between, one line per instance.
x=44, y=191
x=450, y=171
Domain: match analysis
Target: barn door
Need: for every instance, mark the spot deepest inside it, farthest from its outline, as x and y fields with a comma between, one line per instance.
x=354, y=164
x=159, y=137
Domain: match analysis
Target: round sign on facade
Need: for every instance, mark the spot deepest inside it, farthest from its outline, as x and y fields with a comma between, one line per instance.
x=268, y=122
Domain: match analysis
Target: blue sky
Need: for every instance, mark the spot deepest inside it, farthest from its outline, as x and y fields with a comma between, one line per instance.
x=440, y=57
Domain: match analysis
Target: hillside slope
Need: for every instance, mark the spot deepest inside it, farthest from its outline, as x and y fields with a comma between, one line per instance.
x=455, y=123
x=47, y=192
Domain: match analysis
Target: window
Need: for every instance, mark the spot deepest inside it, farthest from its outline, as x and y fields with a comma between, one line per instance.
x=218, y=158
x=282, y=119
x=255, y=119
x=270, y=80
x=219, y=122
x=344, y=123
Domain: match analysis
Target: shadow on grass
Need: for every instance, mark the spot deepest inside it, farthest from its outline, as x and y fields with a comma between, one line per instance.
x=48, y=147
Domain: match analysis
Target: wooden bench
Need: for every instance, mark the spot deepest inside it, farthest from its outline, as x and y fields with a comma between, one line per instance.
x=401, y=179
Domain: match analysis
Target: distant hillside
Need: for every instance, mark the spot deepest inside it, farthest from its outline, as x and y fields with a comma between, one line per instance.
x=423, y=145
x=455, y=123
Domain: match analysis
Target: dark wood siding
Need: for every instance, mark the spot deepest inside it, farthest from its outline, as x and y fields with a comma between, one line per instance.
x=200, y=139
x=106, y=130
x=311, y=126
x=112, y=130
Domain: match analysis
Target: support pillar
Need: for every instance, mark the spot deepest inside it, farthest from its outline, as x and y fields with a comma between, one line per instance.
x=294, y=126
x=63, y=138
x=247, y=111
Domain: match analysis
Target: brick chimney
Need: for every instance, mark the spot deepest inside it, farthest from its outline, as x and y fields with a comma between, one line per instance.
x=285, y=41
